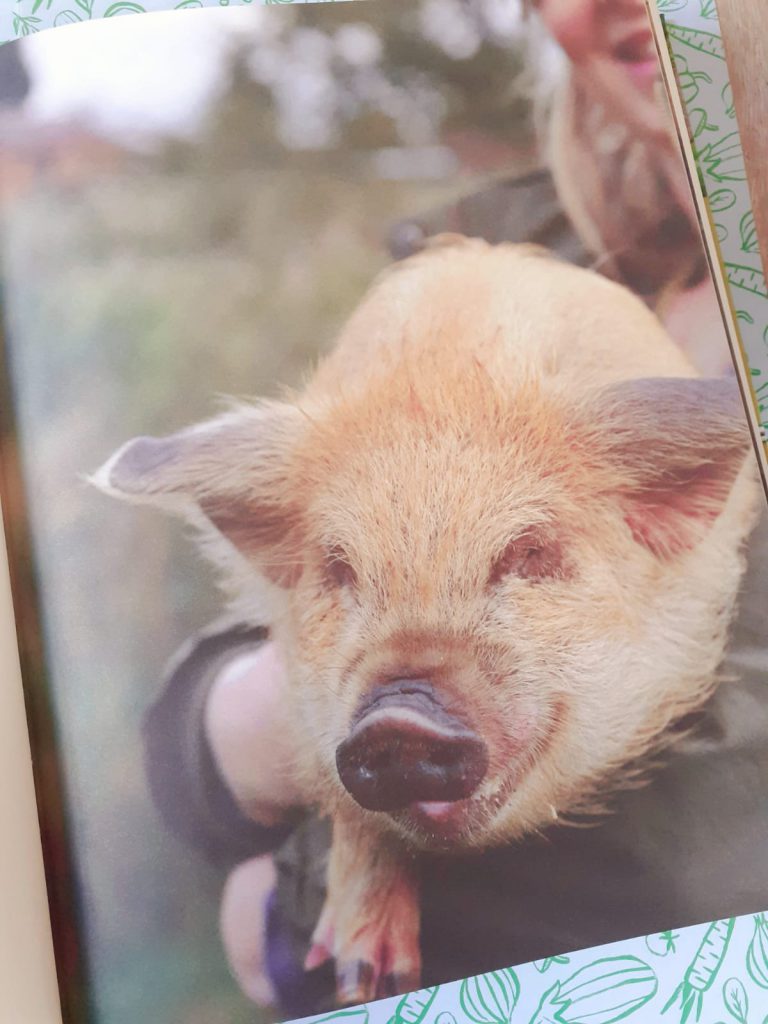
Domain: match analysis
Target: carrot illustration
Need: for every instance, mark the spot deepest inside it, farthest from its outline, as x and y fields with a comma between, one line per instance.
x=702, y=970
x=706, y=42
x=413, y=1007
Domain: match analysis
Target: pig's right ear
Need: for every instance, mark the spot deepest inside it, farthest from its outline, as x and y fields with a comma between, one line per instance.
x=230, y=473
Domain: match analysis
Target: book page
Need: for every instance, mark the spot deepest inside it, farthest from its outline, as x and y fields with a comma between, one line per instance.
x=388, y=518
x=28, y=990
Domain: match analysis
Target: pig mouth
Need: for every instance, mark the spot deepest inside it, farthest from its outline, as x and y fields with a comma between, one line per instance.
x=412, y=757
x=405, y=749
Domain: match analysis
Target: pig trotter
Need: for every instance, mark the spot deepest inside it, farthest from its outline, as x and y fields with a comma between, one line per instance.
x=370, y=921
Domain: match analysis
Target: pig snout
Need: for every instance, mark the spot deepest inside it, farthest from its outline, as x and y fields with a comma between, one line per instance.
x=405, y=748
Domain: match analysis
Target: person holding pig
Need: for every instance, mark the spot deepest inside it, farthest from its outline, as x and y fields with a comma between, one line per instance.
x=615, y=196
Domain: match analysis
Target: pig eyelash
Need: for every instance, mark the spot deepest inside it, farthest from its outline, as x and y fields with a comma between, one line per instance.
x=527, y=558
x=338, y=570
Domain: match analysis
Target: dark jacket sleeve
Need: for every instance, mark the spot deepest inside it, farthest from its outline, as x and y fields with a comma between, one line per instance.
x=185, y=784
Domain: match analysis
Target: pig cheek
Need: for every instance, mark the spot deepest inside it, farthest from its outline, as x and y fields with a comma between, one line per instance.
x=324, y=625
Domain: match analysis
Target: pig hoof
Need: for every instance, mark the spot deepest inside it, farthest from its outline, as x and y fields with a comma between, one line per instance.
x=355, y=983
x=372, y=962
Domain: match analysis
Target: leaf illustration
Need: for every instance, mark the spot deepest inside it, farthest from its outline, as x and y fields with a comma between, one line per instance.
x=86, y=5
x=723, y=160
x=722, y=232
x=721, y=199
x=742, y=314
x=670, y=6
x=66, y=18
x=735, y=999
x=708, y=9
x=25, y=26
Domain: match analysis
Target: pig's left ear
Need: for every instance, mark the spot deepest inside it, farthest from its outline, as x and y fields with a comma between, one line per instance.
x=675, y=447
x=230, y=473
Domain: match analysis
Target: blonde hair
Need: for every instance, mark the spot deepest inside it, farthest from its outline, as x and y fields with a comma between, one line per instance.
x=625, y=193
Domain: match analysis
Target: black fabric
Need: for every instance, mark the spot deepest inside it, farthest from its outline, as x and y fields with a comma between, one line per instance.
x=518, y=210
x=185, y=784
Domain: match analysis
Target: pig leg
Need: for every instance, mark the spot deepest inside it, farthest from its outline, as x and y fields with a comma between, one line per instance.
x=370, y=922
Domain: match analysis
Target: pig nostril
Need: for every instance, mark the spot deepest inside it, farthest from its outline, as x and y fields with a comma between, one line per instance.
x=442, y=758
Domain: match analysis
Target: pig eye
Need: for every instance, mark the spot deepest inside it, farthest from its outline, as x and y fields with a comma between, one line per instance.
x=529, y=558
x=338, y=571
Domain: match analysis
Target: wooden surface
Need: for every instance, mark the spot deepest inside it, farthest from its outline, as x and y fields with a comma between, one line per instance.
x=744, y=25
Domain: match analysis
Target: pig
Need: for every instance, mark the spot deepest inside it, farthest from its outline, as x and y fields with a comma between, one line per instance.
x=497, y=537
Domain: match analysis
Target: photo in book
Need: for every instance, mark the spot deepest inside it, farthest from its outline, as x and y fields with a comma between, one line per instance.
x=423, y=637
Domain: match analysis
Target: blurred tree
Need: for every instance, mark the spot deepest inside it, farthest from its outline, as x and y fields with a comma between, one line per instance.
x=388, y=75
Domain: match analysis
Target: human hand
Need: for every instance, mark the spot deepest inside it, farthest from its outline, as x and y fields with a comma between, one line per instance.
x=248, y=727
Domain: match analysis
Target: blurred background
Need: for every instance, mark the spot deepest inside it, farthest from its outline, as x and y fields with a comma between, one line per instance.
x=191, y=204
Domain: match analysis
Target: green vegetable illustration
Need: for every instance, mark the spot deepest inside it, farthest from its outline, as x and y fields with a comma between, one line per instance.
x=67, y=18
x=723, y=160
x=748, y=233
x=721, y=199
x=705, y=42
x=751, y=280
x=542, y=966
x=413, y=1007
x=600, y=993
x=689, y=80
x=356, y=1015
x=735, y=999
x=708, y=9
x=757, y=954
x=123, y=7
x=25, y=26
x=702, y=971
x=490, y=998
x=700, y=123
x=661, y=944
x=727, y=97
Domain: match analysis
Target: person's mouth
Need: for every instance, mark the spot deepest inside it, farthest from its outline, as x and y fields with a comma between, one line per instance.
x=637, y=53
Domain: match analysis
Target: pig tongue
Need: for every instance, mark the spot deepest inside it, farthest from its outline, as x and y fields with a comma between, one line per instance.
x=436, y=809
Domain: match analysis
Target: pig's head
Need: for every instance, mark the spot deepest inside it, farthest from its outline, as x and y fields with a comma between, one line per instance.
x=491, y=591
x=486, y=608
